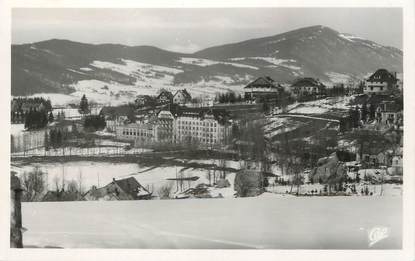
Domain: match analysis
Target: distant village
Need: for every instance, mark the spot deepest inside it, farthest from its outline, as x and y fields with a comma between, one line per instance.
x=300, y=139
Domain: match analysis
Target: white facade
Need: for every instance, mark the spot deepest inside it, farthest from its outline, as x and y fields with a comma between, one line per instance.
x=136, y=132
x=193, y=128
x=187, y=128
x=375, y=87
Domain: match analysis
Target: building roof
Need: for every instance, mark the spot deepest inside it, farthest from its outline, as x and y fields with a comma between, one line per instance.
x=185, y=93
x=382, y=75
x=165, y=93
x=137, y=125
x=112, y=112
x=263, y=82
x=132, y=187
x=307, y=82
x=221, y=115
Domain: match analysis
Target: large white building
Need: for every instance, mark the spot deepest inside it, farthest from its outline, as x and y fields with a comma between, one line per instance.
x=197, y=126
x=203, y=127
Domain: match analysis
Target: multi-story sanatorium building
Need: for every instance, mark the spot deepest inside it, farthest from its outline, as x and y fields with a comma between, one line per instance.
x=206, y=127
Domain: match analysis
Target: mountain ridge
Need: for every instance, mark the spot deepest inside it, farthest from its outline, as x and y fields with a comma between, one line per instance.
x=65, y=66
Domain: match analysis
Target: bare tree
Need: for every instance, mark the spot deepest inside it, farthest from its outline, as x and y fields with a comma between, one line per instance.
x=34, y=184
x=165, y=191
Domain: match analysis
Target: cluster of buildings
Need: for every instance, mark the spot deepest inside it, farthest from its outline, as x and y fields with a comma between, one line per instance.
x=181, y=97
x=267, y=88
x=380, y=82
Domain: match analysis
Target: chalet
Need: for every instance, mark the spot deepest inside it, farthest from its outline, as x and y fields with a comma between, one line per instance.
x=182, y=97
x=165, y=97
x=122, y=189
x=380, y=82
x=262, y=87
x=307, y=86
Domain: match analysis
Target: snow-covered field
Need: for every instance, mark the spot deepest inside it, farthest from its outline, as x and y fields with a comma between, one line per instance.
x=266, y=222
x=16, y=129
x=101, y=173
x=105, y=150
x=391, y=190
x=205, y=62
x=322, y=105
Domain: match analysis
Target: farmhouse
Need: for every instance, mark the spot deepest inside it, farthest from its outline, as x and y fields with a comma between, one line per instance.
x=122, y=189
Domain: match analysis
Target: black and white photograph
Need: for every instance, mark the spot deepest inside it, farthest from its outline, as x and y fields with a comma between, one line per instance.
x=275, y=128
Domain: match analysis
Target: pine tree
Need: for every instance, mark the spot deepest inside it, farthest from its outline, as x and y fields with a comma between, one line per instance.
x=83, y=106
x=59, y=138
x=50, y=119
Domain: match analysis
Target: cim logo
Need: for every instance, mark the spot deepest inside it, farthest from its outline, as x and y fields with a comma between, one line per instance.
x=376, y=234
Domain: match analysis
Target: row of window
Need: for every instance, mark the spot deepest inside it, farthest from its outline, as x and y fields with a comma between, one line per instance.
x=136, y=133
x=211, y=124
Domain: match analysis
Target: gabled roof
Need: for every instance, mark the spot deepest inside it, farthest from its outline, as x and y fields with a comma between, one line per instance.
x=306, y=82
x=263, y=82
x=130, y=186
x=382, y=75
x=185, y=93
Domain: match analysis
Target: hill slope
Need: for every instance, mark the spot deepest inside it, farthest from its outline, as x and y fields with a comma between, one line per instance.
x=111, y=71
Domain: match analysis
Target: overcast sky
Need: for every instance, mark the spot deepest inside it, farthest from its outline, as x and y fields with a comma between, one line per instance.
x=189, y=30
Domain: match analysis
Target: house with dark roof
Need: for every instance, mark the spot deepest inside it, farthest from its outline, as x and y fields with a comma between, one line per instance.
x=143, y=100
x=307, y=86
x=380, y=82
x=122, y=189
x=165, y=97
x=262, y=87
x=182, y=97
